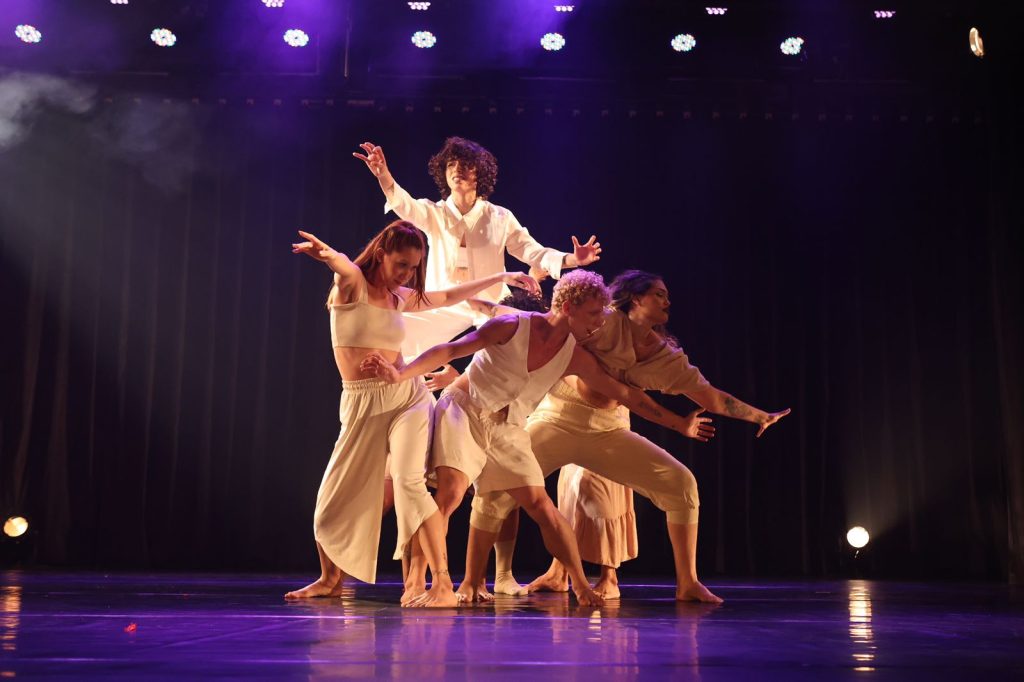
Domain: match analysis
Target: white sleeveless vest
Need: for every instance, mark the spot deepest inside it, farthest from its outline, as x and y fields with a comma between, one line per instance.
x=498, y=376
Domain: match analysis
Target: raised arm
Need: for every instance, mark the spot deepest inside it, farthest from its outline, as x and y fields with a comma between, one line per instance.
x=493, y=332
x=346, y=273
x=461, y=292
x=585, y=366
x=398, y=200
x=720, y=402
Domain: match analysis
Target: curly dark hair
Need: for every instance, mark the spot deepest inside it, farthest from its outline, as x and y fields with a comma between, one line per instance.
x=468, y=154
x=521, y=299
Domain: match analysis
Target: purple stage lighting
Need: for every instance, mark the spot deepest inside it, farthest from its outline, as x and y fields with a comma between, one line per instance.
x=424, y=39
x=421, y=6
x=28, y=34
x=564, y=8
x=791, y=46
x=296, y=37
x=884, y=13
x=273, y=3
x=163, y=37
x=684, y=42
x=552, y=42
x=716, y=10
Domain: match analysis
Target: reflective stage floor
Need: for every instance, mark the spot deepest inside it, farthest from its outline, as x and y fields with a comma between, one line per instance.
x=174, y=626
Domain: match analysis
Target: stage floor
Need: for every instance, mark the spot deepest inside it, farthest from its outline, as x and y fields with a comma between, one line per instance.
x=89, y=625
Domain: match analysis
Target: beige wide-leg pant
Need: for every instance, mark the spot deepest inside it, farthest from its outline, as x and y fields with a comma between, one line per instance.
x=565, y=429
x=377, y=419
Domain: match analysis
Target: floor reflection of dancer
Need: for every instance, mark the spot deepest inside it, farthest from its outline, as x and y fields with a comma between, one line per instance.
x=579, y=423
x=366, y=302
x=478, y=423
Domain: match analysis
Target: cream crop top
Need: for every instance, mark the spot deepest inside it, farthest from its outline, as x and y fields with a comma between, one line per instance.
x=360, y=324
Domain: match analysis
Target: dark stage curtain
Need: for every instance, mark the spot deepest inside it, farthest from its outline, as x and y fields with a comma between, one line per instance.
x=169, y=394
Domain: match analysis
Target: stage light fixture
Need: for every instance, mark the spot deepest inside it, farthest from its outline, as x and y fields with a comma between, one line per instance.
x=977, y=45
x=296, y=37
x=564, y=8
x=16, y=526
x=27, y=33
x=857, y=537
x=118, y=2
x=163, y=37
x=716, y=11
x=552, y=42
x=424, y=39
x=792, y=46
x=684, y=42
x=420, y=6
x=884, y=13
x=274, y=3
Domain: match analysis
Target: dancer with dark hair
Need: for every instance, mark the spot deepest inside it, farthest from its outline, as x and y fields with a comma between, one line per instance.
x=366, y=302
x=478, y=425
x=468, y=234
x=578, y=423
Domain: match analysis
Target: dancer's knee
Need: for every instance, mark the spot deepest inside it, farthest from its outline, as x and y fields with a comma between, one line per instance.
x=684, y=504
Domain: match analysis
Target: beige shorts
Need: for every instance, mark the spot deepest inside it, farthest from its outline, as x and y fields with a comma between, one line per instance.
x=493, y=454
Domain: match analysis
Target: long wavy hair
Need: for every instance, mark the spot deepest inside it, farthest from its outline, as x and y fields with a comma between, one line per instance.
x=630, y=284
x=469, y=154
x=397, y=236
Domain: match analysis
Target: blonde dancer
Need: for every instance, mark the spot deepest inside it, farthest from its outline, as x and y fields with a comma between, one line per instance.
x=366, y=302
x=478, y=427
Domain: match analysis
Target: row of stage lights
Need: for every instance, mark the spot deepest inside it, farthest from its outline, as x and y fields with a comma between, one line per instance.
x=551, y=42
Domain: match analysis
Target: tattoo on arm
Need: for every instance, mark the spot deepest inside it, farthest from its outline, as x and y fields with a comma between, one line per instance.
x=737, y=408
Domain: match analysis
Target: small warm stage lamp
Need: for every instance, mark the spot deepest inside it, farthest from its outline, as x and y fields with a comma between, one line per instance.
x=857, y=537
x=15, y=526
x=977, y=46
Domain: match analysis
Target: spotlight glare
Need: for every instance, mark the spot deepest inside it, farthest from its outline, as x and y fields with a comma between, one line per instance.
x=977, y=45
x=420, y=6
x=884, y=13
x=717, y=11
x=163, y=37
x=274, y=3
x=857, y=537
x=552, y=42
x=118, y=2
x=564, y=8
x=296, y=37
x=27, y=33
x=791, y=46
x=684, y=42
x=424, y=39
x=16, y=526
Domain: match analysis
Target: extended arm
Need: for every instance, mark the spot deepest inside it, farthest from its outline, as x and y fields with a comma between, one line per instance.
x=494, y=332
x=460, y=292
x=585, y=366
x=725, y=404
x=398, y=200
x=346, y=273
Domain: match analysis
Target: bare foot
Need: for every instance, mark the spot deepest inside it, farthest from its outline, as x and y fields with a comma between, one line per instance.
x=587, y=597
x=552, y=581
x=321, y=588
x=472, y=594
x=411, y=593
x=437, y=597
x=697, y=592
x=607, y=588
x=505, y=583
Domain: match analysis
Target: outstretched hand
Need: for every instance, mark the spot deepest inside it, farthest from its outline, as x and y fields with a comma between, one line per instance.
x=585, y=254
x=313, y=247
x=770, y=419
x=375, y=364
x=698, y=427
x=518, y=279
x=374, y=160
x=436, y=381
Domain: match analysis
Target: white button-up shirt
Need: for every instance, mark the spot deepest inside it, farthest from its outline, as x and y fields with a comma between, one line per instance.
x=488, y=229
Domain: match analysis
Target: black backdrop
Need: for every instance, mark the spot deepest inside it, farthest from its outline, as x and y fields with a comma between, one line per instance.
x=169, y=395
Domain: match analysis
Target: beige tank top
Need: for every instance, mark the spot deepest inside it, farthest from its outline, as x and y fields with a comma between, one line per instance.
x=360, y=324
x=498, y=376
